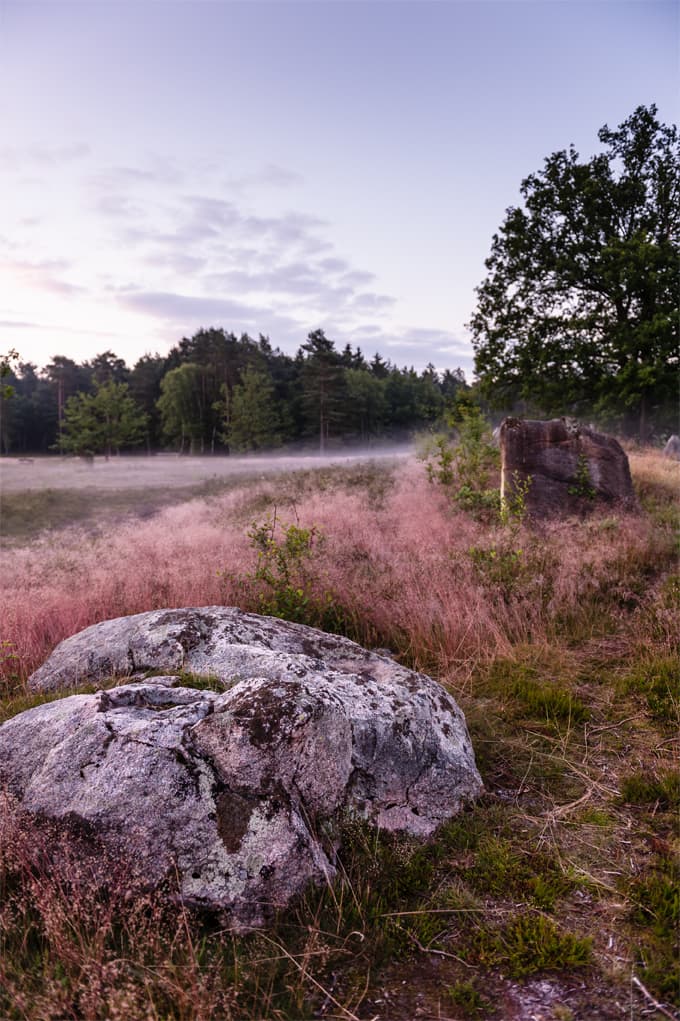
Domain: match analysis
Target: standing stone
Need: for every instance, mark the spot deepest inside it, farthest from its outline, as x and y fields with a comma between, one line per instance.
x=672, y=448
x=569, y=468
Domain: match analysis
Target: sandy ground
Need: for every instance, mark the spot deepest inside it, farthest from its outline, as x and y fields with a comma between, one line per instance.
x=163, y=470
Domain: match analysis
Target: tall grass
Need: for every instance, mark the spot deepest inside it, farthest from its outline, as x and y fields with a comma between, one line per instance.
x=408, y=571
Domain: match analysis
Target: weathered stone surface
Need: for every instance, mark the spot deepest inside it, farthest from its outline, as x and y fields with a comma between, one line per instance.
x=672, y=448
x=218, y=640
x=570, y=467
x=231, y=790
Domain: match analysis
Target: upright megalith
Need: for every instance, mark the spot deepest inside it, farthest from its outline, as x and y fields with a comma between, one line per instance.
x=560, y=467
x=672, y=448
x=233, y=787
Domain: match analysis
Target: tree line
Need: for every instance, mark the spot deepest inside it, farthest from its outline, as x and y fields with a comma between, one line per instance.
x=216, y=392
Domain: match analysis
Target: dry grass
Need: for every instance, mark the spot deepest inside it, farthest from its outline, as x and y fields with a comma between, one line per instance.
x=555, y=894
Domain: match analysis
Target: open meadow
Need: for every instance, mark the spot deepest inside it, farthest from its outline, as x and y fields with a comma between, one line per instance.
x=555, y=897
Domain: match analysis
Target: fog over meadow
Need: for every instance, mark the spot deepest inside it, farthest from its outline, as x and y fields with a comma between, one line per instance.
x=171, y=470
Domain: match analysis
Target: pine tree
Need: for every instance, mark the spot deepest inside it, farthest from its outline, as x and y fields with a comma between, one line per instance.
x=252, y=420
x=102, y=422
x=322, y=384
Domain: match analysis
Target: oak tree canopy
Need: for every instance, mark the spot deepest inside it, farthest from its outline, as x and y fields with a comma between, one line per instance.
x=579, y=311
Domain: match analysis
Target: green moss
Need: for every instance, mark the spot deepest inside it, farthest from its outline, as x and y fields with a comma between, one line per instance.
x=645, y=789
x=503, y=869
x=655, y=913
x=657, y=964
x=16, y=704
x=203, y=682
x=467, y=998
x=656, y=900
x=658, y=682
x=531, y=943
x=596, y=817
x=534, y=696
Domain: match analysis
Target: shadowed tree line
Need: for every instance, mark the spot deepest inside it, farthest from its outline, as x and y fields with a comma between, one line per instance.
x=216, y=392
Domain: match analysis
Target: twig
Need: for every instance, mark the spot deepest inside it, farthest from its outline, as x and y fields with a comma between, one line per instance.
x=655, y=1003
x=444, y=953
x=433, y=911
x=564, y=809
x=615, y=726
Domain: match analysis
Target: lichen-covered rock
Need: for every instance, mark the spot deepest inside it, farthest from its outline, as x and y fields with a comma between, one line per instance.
x=230, y=791
x=561, y=467
x=222, y=641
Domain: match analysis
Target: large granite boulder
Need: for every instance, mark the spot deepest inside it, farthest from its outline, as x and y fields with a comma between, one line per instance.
x=236, y=791
x=560, y=467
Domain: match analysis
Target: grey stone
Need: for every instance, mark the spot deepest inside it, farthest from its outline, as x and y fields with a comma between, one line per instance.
x=672, y=448
x=569, y=468
x=235, y=792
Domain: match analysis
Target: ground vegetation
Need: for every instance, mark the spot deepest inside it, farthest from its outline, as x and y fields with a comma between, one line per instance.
x=554, y=896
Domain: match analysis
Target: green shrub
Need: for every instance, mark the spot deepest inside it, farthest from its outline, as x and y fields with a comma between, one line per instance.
x=582, y=485
x=465, y=468
x=285, y=580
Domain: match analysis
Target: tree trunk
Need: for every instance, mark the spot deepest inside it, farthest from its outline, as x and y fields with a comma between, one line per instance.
x=643, y=418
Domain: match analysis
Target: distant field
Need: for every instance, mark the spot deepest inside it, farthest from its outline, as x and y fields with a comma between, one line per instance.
x=160, y=470
x=52, y=492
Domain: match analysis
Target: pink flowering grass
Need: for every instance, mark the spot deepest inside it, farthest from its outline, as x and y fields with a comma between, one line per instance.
x=407, y=570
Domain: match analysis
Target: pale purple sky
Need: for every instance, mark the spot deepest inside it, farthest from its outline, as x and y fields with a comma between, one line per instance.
x=278, y=167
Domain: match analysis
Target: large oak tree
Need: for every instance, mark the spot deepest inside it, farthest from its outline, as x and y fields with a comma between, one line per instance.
x=579, y=310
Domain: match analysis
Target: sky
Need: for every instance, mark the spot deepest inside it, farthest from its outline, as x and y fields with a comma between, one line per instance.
x=279, y=167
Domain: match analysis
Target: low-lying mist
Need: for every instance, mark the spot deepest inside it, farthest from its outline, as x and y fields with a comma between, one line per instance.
x=171, y=470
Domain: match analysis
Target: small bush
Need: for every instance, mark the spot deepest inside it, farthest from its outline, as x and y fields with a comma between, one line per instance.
x=582, y=485
x=465, y=469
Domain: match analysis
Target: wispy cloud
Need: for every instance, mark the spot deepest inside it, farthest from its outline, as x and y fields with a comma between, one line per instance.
x=41, y=275
x=270, y=176
x=414, y=346
x=218, y=254
x=17, y=324
x=177, y=314
x=33, y=157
